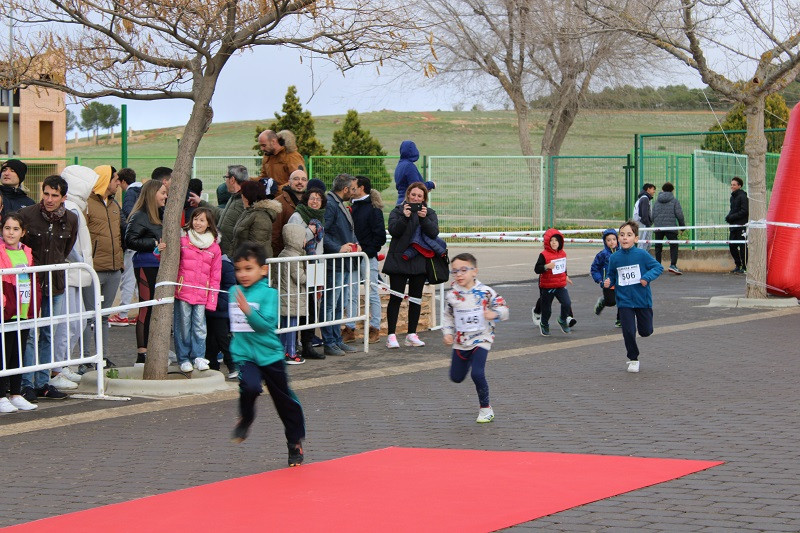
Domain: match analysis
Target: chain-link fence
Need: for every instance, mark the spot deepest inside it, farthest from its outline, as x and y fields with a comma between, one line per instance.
x=212, y=171
x=490, y=193
x=379, y=170
x=586, y=191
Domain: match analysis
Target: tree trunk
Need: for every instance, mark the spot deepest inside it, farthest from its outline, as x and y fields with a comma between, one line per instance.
x=161, y=319
x=755, y=146
x=558, y=124
x=534, y=169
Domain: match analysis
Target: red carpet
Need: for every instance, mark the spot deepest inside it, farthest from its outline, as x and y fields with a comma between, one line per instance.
x=397, y=489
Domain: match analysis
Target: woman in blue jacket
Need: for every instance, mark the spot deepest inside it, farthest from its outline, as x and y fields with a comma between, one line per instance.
x=406, y=171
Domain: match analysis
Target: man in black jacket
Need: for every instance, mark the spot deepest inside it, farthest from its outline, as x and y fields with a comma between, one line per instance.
x=12, y=197
x=739, y=214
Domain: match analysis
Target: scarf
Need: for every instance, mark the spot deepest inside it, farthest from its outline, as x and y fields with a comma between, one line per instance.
x=307, y=213
x=310, y=246
x=52, y=216
x=201, y=240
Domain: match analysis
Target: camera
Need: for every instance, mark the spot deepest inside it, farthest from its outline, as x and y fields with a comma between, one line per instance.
x=415, y=207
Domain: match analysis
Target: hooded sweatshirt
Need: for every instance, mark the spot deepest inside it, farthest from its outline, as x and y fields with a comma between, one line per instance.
x=641, y=213
x=626, y=269
x=103, y=218
x=292, y=274
x=80, y=181
x=406, y=173
x=667, y=210
x=556, y=277
x=600, y=263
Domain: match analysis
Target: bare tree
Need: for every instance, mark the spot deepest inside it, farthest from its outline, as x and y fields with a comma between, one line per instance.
x=743, y=49
x=530, y=48
x=164, y=49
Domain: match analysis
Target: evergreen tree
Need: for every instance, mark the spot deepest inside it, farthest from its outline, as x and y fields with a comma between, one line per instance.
x=299, y=122
x=776, y=115
x=352, y=140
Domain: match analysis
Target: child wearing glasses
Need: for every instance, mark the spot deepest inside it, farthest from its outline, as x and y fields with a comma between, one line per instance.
x=471, y=309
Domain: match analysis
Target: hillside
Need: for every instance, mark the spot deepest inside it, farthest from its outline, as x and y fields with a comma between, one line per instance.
x=436, y=133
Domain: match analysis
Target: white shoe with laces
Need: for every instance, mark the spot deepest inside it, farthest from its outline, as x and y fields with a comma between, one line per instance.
x=391, y=341
x=70, y=375
x=413, y=340
x=6, y=406
x=61, y=382
x=537, y=317
x=201, y=364
x=633, y=366
x=485, y=414
x=22, y=404
x=186, y=367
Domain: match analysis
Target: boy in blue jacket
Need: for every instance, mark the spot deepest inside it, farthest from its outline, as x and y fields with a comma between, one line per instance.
x=630, y=271
x=598, y=271
x=258, y=352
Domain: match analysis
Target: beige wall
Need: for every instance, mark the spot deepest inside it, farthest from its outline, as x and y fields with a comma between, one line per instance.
x=36, y=106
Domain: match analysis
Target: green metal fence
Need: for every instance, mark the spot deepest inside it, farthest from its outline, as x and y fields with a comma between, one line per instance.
x=38, y=169
x=586, y=191
x=700, y=171
x=212, y=171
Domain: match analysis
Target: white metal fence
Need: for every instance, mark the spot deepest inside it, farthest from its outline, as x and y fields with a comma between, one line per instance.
x=66, y=322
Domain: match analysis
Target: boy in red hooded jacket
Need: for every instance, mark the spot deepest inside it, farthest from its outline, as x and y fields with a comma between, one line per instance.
x=552, y=269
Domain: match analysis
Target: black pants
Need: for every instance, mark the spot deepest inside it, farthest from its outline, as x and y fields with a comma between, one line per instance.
x=538, y=308
x=610, y=299
x=640, y=318
x=12, y=357
x=673, y=246
x=397, y=282
x=738, y=251
x=218, y=339
x=547, y=296
x=286, y=403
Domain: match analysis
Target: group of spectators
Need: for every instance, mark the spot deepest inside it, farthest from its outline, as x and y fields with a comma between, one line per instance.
x=80, y=220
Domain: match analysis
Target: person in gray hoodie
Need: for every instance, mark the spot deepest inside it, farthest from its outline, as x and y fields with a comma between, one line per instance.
x=666, y=211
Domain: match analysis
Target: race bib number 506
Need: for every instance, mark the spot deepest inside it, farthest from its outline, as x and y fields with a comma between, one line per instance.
x=628, y=275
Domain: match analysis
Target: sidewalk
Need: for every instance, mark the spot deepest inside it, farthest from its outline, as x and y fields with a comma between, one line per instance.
x=716, y=384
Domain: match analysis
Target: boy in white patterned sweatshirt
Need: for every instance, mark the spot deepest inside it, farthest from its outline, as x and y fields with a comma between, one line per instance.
x=471, y=309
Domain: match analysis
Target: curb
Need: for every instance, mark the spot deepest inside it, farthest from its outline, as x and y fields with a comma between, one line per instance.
x=736, y=301
x=130, y=383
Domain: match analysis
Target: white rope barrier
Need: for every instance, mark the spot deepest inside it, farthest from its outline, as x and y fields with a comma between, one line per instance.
x=384, y=288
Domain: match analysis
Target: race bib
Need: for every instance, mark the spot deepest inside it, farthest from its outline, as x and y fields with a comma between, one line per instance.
x=24, y=288
x=468, y=320
x=628, y=275
x=560, y=265
x=238, y=319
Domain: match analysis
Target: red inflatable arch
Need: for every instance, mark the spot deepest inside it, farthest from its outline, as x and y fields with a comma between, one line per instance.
x=783, y=244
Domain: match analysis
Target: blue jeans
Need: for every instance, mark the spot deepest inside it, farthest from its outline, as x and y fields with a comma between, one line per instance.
x=289, y=340
x=374, y=297
x=41, y=378
x=189, y=330
x=334, y=279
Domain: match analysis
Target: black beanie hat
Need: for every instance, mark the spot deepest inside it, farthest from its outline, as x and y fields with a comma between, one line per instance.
x=315, y=183
x=17, y=166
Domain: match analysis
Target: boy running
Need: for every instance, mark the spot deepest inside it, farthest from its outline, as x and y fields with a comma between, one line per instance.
x=552, y=269
x=598, y=270
x=631, y=270
x=257, y=351
x=471, y=309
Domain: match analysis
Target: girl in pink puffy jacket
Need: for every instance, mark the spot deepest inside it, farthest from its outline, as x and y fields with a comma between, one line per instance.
x=198, y=288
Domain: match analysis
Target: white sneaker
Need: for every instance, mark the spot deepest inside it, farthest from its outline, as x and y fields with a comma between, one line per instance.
x=391, y=341
x=61, y=382
x=413, y=340
x=537, y=317
x=70, y=375
x=6, y=406
x=186, y=367
x=633, y=366
x=485, y=414
x=200, y=363
x=138, y=365
x=22, y=404
x=233, y=375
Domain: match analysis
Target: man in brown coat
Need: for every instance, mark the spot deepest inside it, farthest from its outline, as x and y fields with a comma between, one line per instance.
x=280, y=156
x=103, y=221
x=289, y=198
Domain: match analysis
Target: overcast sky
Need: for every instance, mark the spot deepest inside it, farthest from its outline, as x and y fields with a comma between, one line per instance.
x=253, y=86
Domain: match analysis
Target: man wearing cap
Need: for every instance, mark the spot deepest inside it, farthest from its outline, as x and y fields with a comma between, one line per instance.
x=280, y=156
x=12, y=197
x=289, y=197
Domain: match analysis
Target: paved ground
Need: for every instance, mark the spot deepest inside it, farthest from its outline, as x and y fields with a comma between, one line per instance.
x=716, y=384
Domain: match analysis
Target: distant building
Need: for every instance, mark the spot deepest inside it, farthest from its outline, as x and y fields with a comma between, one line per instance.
x=40, y=123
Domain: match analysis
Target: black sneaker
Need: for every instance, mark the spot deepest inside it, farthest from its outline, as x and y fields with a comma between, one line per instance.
x=598, y=307
x=239, y=433
x=48, y=392
x=295, y=454
x=571, y=321
x=311, y=353
x=29, y=394
x=563, y=325
x=316, y=342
